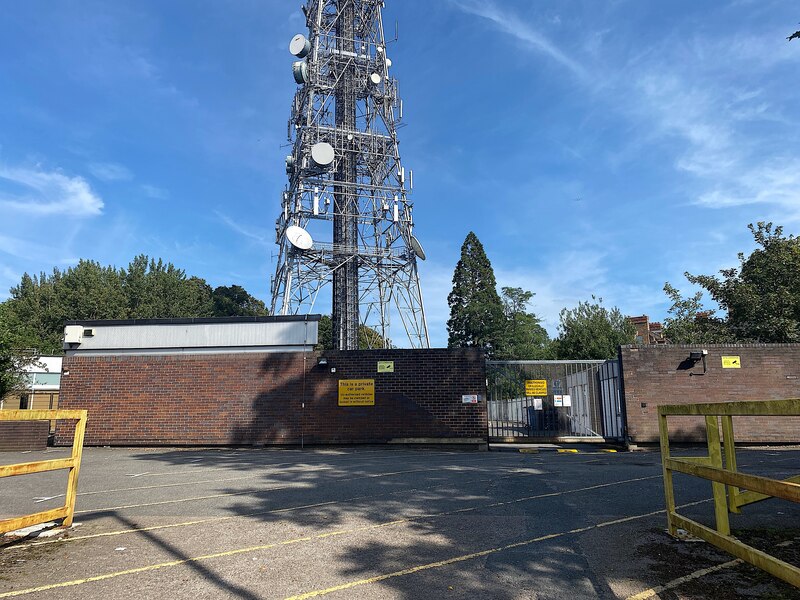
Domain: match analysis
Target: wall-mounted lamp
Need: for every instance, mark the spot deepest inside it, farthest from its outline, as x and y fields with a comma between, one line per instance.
x=696, y=356
x=323, y=362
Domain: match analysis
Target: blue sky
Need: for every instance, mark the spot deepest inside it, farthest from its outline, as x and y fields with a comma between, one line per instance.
x=594, y=147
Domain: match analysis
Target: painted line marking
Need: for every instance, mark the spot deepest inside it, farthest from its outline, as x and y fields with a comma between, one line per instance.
x=462, y=558
x=567, y=451
x=137, y=474
x=309, y=538
x=229, y=494
x=655, y=591
x=254, y=514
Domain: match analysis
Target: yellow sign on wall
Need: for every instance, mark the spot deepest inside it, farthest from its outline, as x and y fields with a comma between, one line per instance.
x=731, y=362
x=356, y=392
x=385, y=366
x=535, y=387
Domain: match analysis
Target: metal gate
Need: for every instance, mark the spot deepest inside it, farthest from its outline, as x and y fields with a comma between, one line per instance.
x=546, y=400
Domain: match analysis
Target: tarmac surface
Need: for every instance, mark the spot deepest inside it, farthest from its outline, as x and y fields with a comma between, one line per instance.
x=382, y=523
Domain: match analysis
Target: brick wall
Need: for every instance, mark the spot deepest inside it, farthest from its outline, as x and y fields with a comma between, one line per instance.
x=21, y=436
x=655, y=375
x=258, y=398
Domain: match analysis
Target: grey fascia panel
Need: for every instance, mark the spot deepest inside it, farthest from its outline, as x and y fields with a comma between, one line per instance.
x=199, y=335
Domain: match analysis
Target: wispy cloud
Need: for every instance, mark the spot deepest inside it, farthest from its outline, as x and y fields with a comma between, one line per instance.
x=39, y=192
x=154, y=192
x=110, y=172
x=516, y=27
x=258, y=236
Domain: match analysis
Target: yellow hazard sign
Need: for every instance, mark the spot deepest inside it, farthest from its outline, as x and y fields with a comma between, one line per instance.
x=356, y=392
x=731, y=362
x=535, y=387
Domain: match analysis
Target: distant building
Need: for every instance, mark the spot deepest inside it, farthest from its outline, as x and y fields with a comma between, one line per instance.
x=648, y=332
x=42, y=385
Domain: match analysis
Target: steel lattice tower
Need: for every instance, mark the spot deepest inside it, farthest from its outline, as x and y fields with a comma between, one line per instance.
x=345, y=168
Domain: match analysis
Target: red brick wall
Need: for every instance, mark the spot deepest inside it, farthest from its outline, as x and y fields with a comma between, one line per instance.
x=20, y=436
x=258, y=398
x=655, y=375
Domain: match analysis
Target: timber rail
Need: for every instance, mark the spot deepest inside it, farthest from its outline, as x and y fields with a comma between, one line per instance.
x=742, y=489
x=73, y=463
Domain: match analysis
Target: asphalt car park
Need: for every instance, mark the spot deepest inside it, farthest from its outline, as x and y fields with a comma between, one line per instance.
x=377, y=522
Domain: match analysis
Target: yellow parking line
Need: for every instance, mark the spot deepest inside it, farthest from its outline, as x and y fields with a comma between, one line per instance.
x=253, y=514
x=567, y=451
x=174, y=563
x=655, y=591
x=457, y=559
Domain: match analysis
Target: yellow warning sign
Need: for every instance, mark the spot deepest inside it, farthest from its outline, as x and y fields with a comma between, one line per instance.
x=356, y=392
x=536, y=387
x=731, y=362
x=385, y=366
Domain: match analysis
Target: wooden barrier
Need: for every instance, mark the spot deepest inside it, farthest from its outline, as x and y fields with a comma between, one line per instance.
x=726, y=477
x=73, y=463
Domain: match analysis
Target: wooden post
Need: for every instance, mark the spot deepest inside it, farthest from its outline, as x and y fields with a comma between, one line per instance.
x=72, y=480
x=669, y=491
x=715, y=458
x=729, y=447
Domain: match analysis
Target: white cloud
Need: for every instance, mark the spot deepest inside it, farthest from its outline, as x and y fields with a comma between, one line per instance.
x=513, y=25
x=258, y=236
x=47, y=193
x=154, y=192
x=110, y=172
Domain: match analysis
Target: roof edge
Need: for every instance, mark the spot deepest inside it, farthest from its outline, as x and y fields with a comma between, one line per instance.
x=195, y=320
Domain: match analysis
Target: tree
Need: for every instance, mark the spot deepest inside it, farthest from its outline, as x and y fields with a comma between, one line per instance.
x=230, y=301
x=592, y=332
x=688, y=322
x=367, y=337
x=762, y=296
x=523, y=337
x=13, y=357
x=146, y=289
x=476, y=312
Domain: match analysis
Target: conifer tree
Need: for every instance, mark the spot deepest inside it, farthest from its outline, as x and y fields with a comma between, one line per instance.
x=476, y=311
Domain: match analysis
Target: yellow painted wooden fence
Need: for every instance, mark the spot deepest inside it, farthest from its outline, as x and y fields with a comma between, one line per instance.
x=742, y=489
x=73, y=463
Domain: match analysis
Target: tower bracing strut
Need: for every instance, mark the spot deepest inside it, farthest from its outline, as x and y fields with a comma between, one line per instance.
x=344, y=170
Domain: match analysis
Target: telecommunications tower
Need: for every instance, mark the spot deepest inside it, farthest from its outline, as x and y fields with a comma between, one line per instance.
x=345, y=169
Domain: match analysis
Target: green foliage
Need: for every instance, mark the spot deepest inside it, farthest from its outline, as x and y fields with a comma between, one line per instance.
x=523, y=336
x=13, y=355
x=592, y=332
x=145, y=289
x=367, y=337
x=476, y=312
x=761, y=297
x=234, y=300
x=689, y=323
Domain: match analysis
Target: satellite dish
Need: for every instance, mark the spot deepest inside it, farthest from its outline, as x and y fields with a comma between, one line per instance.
x=375, y=79
x=299, y=237
x=417, y=248
x=300, y=46
x=322, y=154
x=388, y=62
x=300, y=72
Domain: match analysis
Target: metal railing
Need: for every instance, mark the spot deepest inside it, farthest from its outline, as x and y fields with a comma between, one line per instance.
x=727, y=477
x=73, y=463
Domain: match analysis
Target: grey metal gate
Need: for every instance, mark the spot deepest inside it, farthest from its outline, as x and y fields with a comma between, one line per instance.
x=540, y=400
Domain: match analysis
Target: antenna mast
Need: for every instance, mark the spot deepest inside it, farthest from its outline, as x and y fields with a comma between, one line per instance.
x=345, y=169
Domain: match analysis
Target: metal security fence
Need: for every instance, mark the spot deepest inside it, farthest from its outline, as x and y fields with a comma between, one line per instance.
x=550, y=400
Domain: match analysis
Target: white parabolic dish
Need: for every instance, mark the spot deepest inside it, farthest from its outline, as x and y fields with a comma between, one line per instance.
x=322, y=154
x=299, y=46
x=299, y=237
x=417, y=248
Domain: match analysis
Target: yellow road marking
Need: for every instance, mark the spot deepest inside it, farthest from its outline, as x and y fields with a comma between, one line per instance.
x=608, y=450
x=655, y=591
x=462, y=558
x=173, y=563
x=253, y=514
x=567, y=451
x=272, y=489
